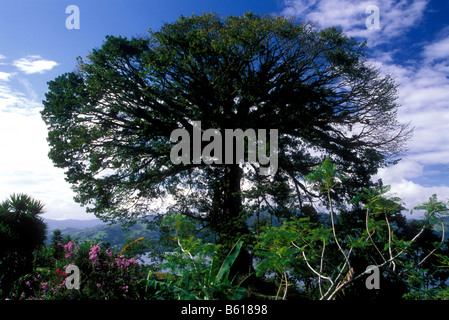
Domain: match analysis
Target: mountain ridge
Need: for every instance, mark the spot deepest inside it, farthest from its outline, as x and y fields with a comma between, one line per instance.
x=53, y=224
x=95, y=230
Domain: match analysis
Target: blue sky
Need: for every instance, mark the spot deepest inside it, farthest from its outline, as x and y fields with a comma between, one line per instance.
x=412, y=44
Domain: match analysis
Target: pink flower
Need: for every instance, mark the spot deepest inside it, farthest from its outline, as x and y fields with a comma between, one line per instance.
x=69, y=246
x=123, y=263
x=93, y=253
x=69, y=252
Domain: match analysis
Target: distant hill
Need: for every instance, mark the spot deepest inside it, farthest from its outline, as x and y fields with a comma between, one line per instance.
x=97, y=231
x=72, y=224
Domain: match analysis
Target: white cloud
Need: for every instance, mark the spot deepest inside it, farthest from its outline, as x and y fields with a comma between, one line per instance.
x=437, y=50
x=403, y=170
x=8, y=97
x=34, y=64
x=4, y=76
x=396, y=17
x=424, y=96
x=400, y=177
x=26, y=168
x=24, y=164
x=13, y=100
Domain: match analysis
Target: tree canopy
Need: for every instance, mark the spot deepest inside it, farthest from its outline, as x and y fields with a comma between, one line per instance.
x=111, y=119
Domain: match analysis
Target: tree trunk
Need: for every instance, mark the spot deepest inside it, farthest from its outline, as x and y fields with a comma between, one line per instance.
x=232, y=193
x=232, y=224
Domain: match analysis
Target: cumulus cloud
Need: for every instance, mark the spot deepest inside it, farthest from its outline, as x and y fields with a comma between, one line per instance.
x=411, y=193
x=5, y=76
x=26, y=168
x=437, y=50
x=34, y=64
x=424, y=96
x=396, y=17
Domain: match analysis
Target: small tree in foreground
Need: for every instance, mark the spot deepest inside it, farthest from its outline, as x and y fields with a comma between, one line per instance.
x=22, y=231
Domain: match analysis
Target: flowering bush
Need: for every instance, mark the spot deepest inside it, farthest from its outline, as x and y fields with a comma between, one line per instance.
x=39, y=287
x=70, y=249
x=104, y=274
x=110, y=275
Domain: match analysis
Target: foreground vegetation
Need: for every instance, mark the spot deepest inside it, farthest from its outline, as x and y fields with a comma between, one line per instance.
x=303, y=255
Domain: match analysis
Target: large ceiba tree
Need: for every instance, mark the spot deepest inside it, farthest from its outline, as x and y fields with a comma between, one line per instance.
x=111, y=119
